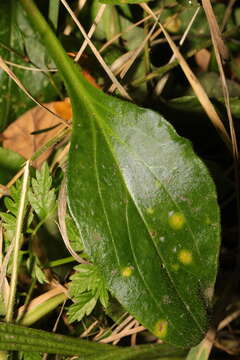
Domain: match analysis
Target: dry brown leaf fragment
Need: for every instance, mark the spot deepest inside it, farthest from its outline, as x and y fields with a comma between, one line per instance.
x=19, y=138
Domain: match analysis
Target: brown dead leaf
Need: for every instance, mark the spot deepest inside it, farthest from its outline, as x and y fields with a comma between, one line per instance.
x=19, y=138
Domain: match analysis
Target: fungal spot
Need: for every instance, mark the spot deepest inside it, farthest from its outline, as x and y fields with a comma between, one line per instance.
x=127, y=271
x=185, y=257
x=176, y=220
x=161, y=328
x=175, y=267
x=150, y=211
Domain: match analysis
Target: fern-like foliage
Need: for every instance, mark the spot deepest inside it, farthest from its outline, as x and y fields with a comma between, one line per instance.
x=86, y=288
x=41, y=195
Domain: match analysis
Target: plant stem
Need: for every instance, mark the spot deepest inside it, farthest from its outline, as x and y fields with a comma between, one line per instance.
x=17, y=242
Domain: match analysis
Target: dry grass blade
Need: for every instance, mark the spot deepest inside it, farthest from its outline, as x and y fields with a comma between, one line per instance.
x=91, y=31
x=62, y=209
x=117, y=329
x=214, y=28
x=96, y=53
x=89, y=329
x=135, y=55
x=28, y=68
x=42, y=299
x=79, y=6
x=162, y=82
x=122, y=334
x=196, y=86
x=228, y=319
x=227, y=13
x=5, y=68
x=3, y=268
x=132, y=325
x=220, y=53
x=129, y=28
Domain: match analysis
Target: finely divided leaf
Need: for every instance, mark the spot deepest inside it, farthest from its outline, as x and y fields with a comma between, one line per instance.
x=41, y=196
x=84, y=305
x=86, y=287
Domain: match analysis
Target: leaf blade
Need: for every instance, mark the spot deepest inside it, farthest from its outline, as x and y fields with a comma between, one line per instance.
x=141, y=210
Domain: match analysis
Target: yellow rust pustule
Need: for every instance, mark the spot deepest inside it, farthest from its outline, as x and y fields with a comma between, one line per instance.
x=185, y=257
x=127, y=271
x=161, y=328
x=176, y=220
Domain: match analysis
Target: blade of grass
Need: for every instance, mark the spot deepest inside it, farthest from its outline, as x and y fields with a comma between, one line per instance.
x=17, y=243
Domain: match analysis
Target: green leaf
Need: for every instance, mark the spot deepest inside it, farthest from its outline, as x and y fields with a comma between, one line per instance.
x=14, y=337
x=86, y=278
x=144, y=204
x=12, y=204
x=86, y=287
x=34, y=266
x=10, y=163
x=84, y=306
x=20, y=44
x=146, y=209
x=73, y=234
x=41, y=196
